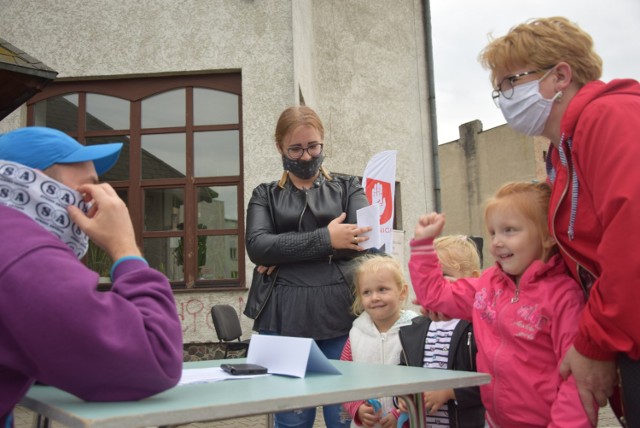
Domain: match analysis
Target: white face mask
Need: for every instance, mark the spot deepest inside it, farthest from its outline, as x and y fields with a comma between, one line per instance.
x=527, y=111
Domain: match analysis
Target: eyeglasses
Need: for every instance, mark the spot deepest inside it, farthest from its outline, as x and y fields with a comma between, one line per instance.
x=314, y=150
x=505, y=87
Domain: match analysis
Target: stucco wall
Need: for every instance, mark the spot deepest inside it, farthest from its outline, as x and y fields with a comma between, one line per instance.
x=359, y=63
x=371, y=74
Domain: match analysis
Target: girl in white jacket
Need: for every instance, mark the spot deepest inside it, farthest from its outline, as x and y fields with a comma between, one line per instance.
x=380, y=294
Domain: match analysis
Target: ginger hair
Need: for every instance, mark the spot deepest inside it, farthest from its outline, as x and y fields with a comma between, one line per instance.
x=543, y=43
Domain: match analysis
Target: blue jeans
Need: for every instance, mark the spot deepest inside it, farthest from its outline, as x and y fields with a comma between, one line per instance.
x=334, y=416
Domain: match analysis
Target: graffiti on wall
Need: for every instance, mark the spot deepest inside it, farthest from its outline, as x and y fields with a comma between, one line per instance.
x=195, y=315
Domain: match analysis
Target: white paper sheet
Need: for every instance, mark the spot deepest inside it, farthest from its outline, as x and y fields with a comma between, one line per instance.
x=370, y=216
x=290, y=356
x=209, y=374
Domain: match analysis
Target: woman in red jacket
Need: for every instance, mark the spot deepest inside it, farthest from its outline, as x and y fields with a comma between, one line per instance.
x=545, y=76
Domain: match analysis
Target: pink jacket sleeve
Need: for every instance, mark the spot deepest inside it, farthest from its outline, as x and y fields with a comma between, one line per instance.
x=351, y=406
x=455, y=299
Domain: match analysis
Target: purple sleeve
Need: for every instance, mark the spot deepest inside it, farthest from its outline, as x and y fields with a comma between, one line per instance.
x=123, y=344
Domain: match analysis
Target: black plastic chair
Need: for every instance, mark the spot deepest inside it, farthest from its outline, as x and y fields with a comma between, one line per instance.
x=228, y=328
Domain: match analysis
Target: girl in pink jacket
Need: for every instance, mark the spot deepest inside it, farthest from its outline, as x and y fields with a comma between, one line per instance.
x=525, y=309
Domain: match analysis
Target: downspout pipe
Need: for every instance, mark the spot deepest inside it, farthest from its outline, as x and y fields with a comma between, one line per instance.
x=431, y=100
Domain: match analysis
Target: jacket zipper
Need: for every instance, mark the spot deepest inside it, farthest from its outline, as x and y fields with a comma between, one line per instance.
x=560, y=246
x=471, y=362
x=306, y=202
x=404, y=354
x=516, y=296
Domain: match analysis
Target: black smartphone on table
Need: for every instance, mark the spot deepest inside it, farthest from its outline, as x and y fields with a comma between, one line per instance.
x=243, y=369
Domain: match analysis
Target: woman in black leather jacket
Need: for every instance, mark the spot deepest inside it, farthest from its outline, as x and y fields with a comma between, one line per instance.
x=301, y=234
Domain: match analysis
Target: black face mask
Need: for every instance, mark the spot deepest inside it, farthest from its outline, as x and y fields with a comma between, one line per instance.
x=302, y=169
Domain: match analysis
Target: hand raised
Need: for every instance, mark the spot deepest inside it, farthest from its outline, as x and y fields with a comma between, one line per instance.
x=429, y=225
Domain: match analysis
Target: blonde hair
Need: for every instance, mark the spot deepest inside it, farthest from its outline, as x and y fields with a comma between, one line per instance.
x=458, y=253
x=531, y=199
x=294, y=117
x=375, y=264
x=543, y=43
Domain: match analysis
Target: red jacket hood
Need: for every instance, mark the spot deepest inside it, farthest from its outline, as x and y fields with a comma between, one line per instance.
x=593, y=91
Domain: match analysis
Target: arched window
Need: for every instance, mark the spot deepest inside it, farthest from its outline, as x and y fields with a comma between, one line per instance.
x=180, y=171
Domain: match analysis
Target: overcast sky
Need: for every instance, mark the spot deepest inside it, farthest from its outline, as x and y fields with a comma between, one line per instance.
x=459, y=32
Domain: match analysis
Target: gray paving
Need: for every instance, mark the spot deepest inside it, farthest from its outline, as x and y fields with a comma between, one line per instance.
x=24, y=418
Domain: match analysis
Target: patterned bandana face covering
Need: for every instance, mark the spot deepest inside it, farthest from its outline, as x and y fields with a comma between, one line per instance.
x=302, y=169
x=45, y=201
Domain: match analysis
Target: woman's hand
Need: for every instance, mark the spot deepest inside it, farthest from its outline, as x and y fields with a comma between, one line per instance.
x=429, y=226
x=268, y=269
x=344, y=236
x=595, y=380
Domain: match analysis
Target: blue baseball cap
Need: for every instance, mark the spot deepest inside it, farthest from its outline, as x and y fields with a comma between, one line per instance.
x=40, y=147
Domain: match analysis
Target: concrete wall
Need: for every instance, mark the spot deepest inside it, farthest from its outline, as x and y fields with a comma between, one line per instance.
x=473, y=167
x=359, y=63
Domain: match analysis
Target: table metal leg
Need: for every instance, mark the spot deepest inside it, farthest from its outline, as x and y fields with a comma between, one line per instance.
x=40, y=421
x=415, y=407
x=270, y=420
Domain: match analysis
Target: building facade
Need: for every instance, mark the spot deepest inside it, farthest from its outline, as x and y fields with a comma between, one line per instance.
x=194, y=89
x=473, y=167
